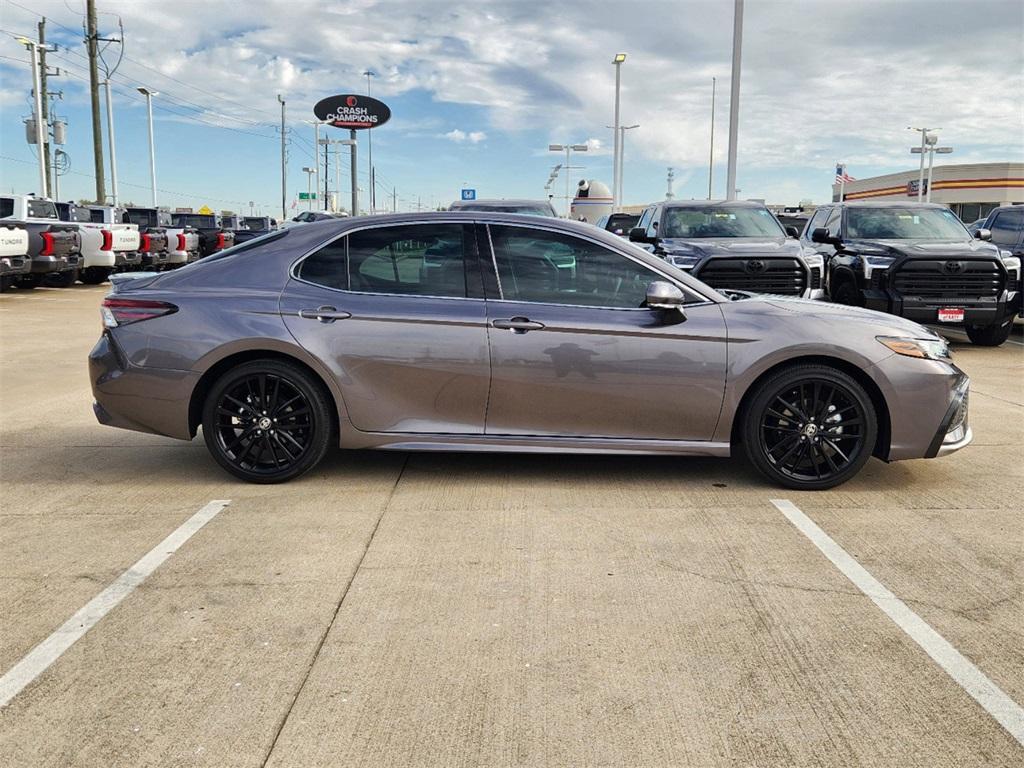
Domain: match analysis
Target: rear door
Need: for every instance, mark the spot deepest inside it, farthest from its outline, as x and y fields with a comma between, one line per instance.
x=575, y=353
x=397, y=314
x=1008, y=230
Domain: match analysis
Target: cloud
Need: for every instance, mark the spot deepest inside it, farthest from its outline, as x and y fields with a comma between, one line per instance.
x=459, y=136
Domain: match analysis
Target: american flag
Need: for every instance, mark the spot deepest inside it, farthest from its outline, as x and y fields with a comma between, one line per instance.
x=842, y=177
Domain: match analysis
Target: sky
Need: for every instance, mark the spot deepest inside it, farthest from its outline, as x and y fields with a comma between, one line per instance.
x=479, y=90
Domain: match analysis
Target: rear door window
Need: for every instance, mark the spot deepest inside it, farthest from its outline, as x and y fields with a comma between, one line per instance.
x=1007, y=227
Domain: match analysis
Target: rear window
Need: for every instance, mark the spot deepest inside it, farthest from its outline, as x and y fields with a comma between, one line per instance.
x=198, y=221
x=237, y=250
x=41, y=209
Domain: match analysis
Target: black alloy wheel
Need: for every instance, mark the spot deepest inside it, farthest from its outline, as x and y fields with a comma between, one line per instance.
x=810, y=427
x=267, y=421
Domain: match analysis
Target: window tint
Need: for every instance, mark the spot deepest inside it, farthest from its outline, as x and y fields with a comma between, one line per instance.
x=645, y=218
x=552, y=268
x=419, y=260
x=834, y=221
x=1007, y=226
x=6, y=207
x=817, y=220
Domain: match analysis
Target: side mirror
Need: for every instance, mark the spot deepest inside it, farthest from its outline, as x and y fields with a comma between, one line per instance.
x=638, y=235
x=793, y=232
x=664, y=295
x=822, y=235
x=983, y=234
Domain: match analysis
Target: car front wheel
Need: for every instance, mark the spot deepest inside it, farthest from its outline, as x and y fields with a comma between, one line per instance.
x=991, y=335
x=809, y=427
x=267, y=421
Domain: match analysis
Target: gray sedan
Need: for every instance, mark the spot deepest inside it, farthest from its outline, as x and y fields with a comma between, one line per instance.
x=494, y=332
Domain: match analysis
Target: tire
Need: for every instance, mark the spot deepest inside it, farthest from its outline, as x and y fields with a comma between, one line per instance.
x=267, y=421
x=846, y=293
x=95, y=275
x=64, y=279
x=28, y=282
x=989, y=336
x=782, y=433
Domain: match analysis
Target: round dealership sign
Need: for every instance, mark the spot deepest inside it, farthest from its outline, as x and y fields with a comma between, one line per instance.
x=349, y=110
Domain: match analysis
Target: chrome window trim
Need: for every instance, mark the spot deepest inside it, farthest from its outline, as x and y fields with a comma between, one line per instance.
x=292, y=274
x=681, y=285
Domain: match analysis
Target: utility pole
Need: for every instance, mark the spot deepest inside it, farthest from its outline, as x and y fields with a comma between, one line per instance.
x=45, y=102
x=327, y=148
x=668, y=181
x=354, y=170
x=37, y=113
x=711, y=152
x=394, y=200
x=94, y=97
x=369, y=147
x=284, y=165
x=316, y=160
x=734, y=99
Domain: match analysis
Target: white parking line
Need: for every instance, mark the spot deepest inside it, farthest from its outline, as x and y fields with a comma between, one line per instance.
x=992, y=699
x=48, y=651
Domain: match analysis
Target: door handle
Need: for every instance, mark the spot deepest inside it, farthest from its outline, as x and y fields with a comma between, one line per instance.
x=518, y=324
x=324, y=314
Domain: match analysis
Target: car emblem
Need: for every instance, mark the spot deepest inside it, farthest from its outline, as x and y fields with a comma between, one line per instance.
x=755, y=266
x=954, y=267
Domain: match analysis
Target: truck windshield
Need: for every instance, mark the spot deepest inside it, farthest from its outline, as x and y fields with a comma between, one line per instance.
x=697, y=222
x=904, y=224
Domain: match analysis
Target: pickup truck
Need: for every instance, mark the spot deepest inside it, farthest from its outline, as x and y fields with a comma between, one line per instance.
x=731, y=245
x=1005, y=225
x=14, y=259
x=53, y=246
x=917, y=260
x=213, y=236
x=105, y=247
x=254, y=226
x=127, y=239
x=153, y=240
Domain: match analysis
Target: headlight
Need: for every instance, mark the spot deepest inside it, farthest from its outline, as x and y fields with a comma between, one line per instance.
x=926, y=349
x=872, y=263
x=814, y=260
x=683, y=262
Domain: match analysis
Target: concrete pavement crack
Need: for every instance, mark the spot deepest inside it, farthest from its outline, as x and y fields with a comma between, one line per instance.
x=337, y=610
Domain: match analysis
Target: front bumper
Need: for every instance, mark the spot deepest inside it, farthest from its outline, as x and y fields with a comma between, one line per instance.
x=954, y=432
x=926, y=310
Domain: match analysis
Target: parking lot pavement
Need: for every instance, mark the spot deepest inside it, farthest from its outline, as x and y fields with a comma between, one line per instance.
x=476, y=610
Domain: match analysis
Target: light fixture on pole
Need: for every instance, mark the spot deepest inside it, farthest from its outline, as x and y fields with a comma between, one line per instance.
x=40, y=137
x=734, y=99
x=310, y=172
x=920, y=150
x=617, y=151
x=152, y=151
x=568, y=149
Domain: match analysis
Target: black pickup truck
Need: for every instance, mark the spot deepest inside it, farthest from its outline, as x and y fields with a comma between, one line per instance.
x=254, y=226
x=213, y=235
x=916, y=260
x=1006, y=227
x=153, y=240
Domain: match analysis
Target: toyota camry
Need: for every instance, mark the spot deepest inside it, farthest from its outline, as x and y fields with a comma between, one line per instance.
x=478, y=331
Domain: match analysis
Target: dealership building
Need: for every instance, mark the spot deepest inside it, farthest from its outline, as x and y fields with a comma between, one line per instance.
x=970, y=190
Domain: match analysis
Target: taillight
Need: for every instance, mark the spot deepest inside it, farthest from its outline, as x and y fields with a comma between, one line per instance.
x=108, y=240
x=182, y=245
x=47, y=244
x=220, y=240
x=144, y=245
x=117, y=311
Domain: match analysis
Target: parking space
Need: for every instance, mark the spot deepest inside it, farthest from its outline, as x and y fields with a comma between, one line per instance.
x=483, y=610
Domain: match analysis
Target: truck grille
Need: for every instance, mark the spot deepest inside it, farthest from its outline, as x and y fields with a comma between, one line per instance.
x=785, y=277
x=949, y=278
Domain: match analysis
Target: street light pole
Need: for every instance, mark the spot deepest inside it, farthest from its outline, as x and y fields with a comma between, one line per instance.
x=369, y=148
x=284, y=165
x=734, y=99
x=617, y=136
x=354, y=170
x=568, y=148
x=152, y=151
x=110, y=136
x=621, y=194
x=309, y=185
x=922, y=150
x=711, y=151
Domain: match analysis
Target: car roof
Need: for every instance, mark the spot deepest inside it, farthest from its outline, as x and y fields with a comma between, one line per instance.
x=890, y=204
x=707, y=203
x=501, y=201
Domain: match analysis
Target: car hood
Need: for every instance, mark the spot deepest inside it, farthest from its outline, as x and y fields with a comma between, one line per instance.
x=881, y=322
x=925, y=249
x=737, y=247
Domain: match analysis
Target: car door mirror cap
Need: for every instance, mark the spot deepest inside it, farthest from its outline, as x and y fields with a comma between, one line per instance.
x=822, y=235
x=662, y=294
x=983, y=234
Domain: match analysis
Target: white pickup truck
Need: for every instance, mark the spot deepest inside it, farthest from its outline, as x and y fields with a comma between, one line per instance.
x=14, y=258
x=182, y=245
x=53, y=246
x=106, y=246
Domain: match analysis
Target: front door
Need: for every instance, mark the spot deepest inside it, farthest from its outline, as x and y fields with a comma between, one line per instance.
x=390, y=312
x=574, y=352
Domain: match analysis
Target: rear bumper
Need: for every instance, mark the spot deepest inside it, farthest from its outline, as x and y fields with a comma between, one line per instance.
x=43, y=265
x=15, y=265
x=154, y=259
x=152, y=400
x=127, y=258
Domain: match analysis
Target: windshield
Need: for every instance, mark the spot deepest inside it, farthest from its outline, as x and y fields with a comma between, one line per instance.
x=904, y=224
x=529, y=210
x=719, y=222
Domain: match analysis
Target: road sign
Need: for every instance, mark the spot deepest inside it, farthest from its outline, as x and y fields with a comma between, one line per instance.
x=469, y=194
x=307, y=195
x=205, y=210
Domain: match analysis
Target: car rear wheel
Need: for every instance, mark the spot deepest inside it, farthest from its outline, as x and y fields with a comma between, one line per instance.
x=846, y=293
x=267, y=421
x=64, y=279
x=95, y=275
x=809, y=427
x=989, y=336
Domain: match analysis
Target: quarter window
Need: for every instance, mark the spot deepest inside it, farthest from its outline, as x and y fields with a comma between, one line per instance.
x=552, y=268
x=834, y=222
x=817, y=220
x=1007, y=226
